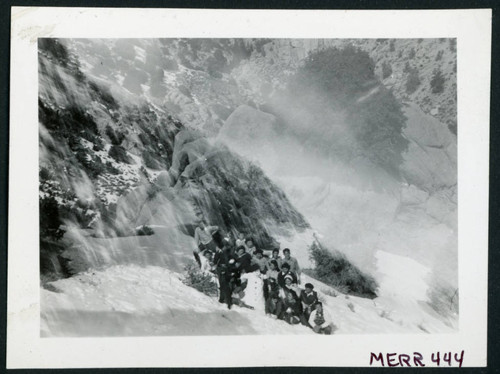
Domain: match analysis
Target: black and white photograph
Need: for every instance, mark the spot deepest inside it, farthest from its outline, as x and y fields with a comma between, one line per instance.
x=247, y=186
x=230, y=187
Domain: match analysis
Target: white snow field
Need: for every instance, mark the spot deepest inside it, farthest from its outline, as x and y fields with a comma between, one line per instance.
x=126, y=299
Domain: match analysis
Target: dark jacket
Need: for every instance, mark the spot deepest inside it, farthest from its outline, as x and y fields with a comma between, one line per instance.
x=308, y=299
x=245, y=262
x=292, y=300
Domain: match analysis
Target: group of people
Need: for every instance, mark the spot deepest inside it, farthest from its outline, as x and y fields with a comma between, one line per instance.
x=250, y=278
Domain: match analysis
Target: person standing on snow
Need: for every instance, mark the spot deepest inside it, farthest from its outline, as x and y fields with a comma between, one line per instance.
x=204, y=240
x=292, y=261
x=274, y=306
x=221, y=261
x=260, y=261
x=275, y=256
x=320, y=320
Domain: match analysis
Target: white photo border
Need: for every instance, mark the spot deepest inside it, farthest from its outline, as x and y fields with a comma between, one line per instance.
x=25, y=348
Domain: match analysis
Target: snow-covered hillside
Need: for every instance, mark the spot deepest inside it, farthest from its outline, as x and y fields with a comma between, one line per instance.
x=133, y=300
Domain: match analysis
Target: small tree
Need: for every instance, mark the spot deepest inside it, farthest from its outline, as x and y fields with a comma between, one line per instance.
x=392, y=46
x=437, y=81
x=412, y=53
x=119, y=154
x=333, y=268
x=386, y=70
x=413, y=81
x=200, y=281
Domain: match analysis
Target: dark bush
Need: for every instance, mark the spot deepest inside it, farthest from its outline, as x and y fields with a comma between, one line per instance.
x=50, y=221
x=439, y=55
x=340, y=72
x=119, y=154
x=392, y=46
x=437, y=81
x=378, y=124
x=98, y=145
x=386, y=70
x=411, y=54
x=144, y=231
x=55, y=49
x=170, y=64
x=453, y=45
x=412, y=81
x=68, y=122
x=202, y=282
x=103, y=94
x=116, y=137
x=150, y=160
x=333, y=268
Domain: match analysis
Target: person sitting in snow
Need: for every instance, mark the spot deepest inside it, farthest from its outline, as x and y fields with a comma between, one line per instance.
x=204, y=240
x=274, y=306
x=320, y=320
x=292, y=261
x=293, y=307
x=275, y=256
x=309, y=298
x=285, y=270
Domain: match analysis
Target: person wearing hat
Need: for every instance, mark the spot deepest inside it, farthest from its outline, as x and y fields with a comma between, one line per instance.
x=309, y=298
x=320, y=320
x=285, y=270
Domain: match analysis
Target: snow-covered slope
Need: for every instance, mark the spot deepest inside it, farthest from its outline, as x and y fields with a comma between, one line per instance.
x=133, y=300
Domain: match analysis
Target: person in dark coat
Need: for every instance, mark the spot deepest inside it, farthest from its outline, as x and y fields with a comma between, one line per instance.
x=291, y=301
x=309, y=298
x=285, y=270
x=222, y=267
x=294, y=312
x=244, y=261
